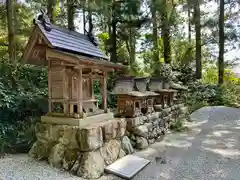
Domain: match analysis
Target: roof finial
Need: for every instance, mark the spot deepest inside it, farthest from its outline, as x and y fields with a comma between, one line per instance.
x=45, y=21
x=92, y=38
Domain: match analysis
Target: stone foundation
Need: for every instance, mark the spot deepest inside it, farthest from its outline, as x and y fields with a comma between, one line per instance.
x=85, y=151
x=145, y=130
x=82, y=151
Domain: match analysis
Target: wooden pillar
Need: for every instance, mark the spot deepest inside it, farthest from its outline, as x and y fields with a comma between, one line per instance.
x=80, y=87
x=91, y=85
x=65, y=91
x=70, y=86
x=49, y=87
x=104, y=91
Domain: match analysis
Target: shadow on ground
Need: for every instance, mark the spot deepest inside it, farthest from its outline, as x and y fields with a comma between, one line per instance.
x=210, y=150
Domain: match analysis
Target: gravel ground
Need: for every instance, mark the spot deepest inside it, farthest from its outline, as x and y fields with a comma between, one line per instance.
x=210, y=150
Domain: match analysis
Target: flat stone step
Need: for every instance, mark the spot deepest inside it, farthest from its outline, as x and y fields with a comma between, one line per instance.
x=77, y=122
x=128, y=166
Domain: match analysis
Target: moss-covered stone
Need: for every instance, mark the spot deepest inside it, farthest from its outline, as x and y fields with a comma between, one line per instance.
x=39, y=151
x=70, y=157
x=56, y=155
x=110, y=151
x=90, y=138
x=91, y=165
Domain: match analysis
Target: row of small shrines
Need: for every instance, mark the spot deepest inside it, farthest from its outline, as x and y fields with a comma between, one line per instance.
x=141, y=96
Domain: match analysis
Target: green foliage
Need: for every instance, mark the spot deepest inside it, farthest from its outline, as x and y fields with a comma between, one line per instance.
x=177, y=125
x=23, y=99
x=184, y=74
x=204, y=94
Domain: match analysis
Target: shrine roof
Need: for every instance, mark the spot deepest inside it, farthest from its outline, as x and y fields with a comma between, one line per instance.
x=137, y=93
x=71, y=41
x=178, y=86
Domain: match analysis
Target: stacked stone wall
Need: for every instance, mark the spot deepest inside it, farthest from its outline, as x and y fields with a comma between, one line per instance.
x=86, y=151
x=83, y=151
x=145, y=130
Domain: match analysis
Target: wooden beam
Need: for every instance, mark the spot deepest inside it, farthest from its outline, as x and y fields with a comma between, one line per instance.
x=81, y=60
x=91, y=85
x=60, y=55
x=104, y=91
x=65, y=91
x=49, y=86
x=70, y=85
x=80, y=88
x=93, y=76
x=36, y=32
x=31, y=41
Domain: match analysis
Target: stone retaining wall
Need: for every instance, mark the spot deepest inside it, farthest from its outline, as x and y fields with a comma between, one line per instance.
x=86, y=151
x=145, y=130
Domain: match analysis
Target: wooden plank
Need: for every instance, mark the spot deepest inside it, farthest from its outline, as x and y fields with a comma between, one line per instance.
x=80, y=88
x=29, y=47
x=65, y=91
x=61, y=100
x=91, y=85
x=81, y=60
x=104, y=91
x=49, y=86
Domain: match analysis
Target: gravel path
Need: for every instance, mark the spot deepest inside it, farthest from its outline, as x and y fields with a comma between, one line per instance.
x=209, y=151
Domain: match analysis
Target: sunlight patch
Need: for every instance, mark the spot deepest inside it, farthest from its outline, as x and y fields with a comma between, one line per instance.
x=224, y=152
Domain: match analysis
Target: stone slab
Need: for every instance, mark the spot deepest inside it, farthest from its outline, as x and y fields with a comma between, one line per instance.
x=77, y=122
x=128, y=166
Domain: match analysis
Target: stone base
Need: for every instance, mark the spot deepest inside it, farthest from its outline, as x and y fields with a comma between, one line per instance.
x=146, y=130
x=85, y=149
x=85, y=146
x=77, y=122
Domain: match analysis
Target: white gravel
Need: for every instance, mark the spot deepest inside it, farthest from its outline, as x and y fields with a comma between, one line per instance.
x=209, y=151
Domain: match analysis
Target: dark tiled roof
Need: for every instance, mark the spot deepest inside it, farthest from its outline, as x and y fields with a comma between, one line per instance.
x=71, y=41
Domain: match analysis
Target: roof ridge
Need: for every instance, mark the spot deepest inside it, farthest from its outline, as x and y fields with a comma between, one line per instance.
x=74, y=33
x=69, y=40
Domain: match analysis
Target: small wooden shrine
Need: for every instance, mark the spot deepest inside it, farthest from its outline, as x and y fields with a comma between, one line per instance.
x=133, y=99
x=165, y=96
x=179, y=89
x=74, y=62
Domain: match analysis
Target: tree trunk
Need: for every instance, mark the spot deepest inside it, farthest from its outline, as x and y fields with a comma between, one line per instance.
x=221, y=44
x=132, y=47
x=84, y=21
x=189, y=22
x=166, y=35
x=114, y=34
x=50, y=10
x=11, y=34
x=198, y=39
x=70, y=14
x=90, y=21
x=155, y=36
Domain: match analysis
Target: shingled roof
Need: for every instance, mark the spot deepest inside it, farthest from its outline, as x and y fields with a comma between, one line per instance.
x=71, y=41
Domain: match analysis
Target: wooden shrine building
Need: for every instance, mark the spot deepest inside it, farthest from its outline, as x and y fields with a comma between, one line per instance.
x=74, y=61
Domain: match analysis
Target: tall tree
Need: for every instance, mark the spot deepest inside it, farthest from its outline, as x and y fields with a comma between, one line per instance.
x=70, y=14
x=113, y=35
x=50, y=10
x=198, y=39
x=166, y=13
x=189, y=7
x=221, y=44
x=90, y=18
x=11, y=33
x=155, y=34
